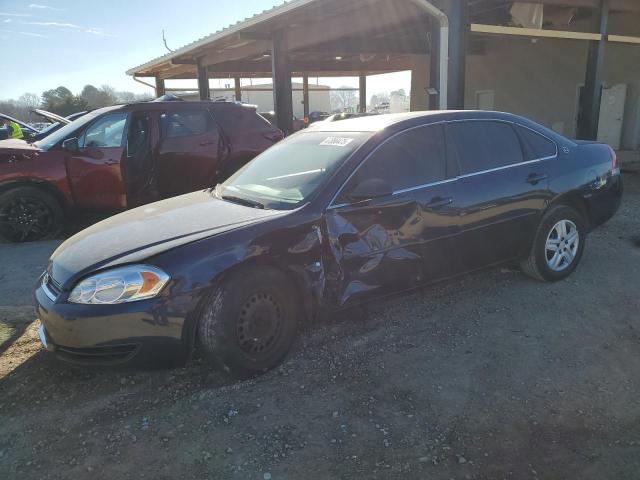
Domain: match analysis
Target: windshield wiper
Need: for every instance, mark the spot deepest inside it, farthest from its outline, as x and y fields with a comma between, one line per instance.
x=243, y=201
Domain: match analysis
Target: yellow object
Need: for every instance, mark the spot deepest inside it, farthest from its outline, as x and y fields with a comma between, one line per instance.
x=16, y=131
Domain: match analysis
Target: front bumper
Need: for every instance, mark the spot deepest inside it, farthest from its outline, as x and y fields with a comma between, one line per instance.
x=147, y=332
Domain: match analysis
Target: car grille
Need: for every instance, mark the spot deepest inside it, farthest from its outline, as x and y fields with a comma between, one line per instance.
x=105, y=355
x=52, y=288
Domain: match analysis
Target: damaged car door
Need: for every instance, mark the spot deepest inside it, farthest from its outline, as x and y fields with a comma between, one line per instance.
x=391, y=220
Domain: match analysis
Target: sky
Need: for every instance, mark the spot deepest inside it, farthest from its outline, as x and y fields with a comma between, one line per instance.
x=78, y=42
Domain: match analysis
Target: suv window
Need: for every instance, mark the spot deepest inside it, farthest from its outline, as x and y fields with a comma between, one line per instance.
x=483, y=145
x=410, y=159
x=535, y=145
x=188, y=123
x=105, y=132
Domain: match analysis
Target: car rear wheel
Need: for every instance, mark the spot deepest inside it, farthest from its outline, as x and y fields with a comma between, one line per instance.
x=28, y=214
x=249, y=323
x=558, y=245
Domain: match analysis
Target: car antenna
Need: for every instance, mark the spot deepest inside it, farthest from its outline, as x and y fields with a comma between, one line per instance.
x=164, y=40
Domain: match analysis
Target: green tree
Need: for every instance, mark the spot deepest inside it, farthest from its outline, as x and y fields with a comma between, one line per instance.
x=61, y=101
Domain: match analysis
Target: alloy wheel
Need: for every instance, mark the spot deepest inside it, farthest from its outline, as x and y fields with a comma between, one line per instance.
x=562, y=244
x=25, y=218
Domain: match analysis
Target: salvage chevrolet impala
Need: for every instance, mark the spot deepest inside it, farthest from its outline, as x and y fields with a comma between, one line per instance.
x=334, y=215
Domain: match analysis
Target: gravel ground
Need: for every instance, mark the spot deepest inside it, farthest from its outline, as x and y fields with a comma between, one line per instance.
x=488, y=377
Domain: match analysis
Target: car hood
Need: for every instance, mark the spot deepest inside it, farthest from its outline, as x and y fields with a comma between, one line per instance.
x=138, y=234
x=15, y=145
x=52, y=117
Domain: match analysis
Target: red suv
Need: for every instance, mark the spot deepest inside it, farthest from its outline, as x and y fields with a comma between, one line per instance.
x=120, y=157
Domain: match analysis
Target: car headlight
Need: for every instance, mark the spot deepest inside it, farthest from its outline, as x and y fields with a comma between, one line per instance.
x=120, y=285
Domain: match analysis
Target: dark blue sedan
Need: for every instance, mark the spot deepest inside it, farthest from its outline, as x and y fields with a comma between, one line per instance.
x=331, y=217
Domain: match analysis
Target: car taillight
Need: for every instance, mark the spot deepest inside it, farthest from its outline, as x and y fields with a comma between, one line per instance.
x=615, y=168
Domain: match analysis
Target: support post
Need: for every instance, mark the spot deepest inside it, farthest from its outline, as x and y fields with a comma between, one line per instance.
x=458, y=14
x=420, y=83
x=281, y=73
x=305, y=97
x=363, y=93
x=160, y=90
x=238, y=92
x=434, y=66
x=203, y=82
x=588, y=121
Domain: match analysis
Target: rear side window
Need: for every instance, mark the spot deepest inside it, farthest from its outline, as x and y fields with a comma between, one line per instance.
x=535, y=145
x=484, y=145
x=410, y=159
x=187, y=123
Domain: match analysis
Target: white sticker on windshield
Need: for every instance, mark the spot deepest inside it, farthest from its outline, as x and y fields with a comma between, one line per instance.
x=337, y=141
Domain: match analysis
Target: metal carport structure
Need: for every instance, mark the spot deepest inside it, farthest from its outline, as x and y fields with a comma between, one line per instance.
x=305, y=38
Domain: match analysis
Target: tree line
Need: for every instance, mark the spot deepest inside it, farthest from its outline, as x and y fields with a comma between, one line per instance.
x=63, y=102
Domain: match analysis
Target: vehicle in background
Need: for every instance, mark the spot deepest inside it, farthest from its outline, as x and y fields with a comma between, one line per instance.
x=336, y=117
x=118, y=157
x=271, y=118
x=330, y=218
x=57, y=122
x=32, y=133
x=27, y=130
x=318, y=116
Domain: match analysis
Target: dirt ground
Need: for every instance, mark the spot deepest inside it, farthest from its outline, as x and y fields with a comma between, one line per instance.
x=493, y=376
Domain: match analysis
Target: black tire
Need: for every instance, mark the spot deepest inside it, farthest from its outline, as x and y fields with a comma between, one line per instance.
x=537, y=264
x=28, y=214
x=250, y=322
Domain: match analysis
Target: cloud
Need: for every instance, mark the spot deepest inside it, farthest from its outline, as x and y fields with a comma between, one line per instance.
x=43, y=7
x=2, y=14
x=27, y=34
x=6, y=20
x=54, y=24
x=91, y=31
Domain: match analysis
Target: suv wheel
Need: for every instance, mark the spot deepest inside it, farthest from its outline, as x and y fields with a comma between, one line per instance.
x=28, y=214
x=558, y=245
x=250, y=322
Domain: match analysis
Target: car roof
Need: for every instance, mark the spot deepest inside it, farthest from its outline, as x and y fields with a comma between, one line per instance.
x=374, y=123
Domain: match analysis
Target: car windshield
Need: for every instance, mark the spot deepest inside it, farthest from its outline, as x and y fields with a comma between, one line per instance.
x=289, y=173
x=54, y=138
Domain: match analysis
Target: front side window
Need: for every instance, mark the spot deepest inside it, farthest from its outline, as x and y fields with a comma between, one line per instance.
x=188, y=123
x=107, y=131
x=535, y=145
x=410, y=159
x=484, y=145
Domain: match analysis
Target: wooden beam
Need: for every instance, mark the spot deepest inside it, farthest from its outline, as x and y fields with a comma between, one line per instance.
x=623, y=39
x=238, y=89
x=305, y=96
x=203, y=83
x=178, y=71
x=533, y=32
x=252, y=49
x=160, y=89
x=358, y=22
x=281, y=78
x=363, y=93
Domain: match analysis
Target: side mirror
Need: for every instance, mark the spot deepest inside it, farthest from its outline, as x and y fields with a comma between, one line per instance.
x=371, y=188
x=71, y=144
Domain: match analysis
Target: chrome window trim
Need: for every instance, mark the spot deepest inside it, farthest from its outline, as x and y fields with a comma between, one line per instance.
x=333, y=206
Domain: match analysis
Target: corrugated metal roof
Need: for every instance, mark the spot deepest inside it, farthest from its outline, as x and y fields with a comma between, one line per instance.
x=230, y=30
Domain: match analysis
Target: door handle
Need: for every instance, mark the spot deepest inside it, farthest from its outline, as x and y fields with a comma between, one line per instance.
x=439, y=202
x=535, y=178
x=204, y=144
x=110, y=162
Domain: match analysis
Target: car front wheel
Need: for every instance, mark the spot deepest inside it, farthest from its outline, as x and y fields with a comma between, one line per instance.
x=558, y=245
x=250, y=322
x=28, y=214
